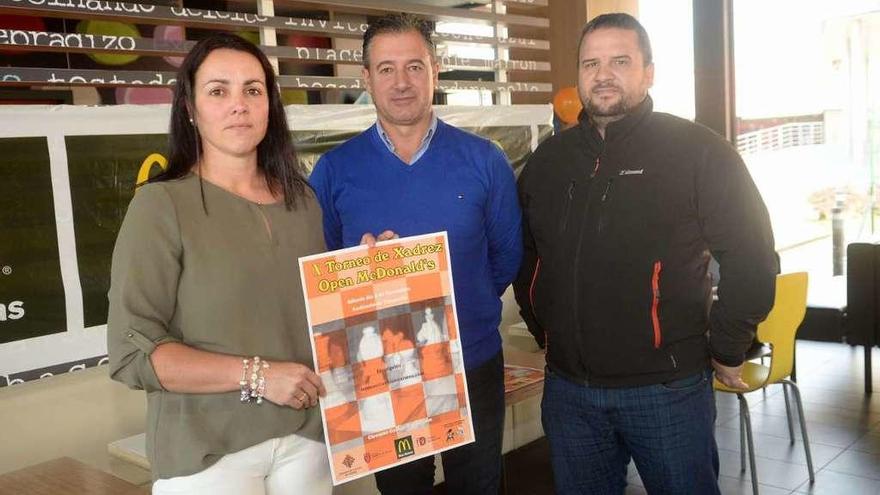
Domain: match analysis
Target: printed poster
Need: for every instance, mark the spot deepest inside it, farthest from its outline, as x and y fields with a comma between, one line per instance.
x=385, y=341
x=517, y=377
x=521, y=382
x=32, y=302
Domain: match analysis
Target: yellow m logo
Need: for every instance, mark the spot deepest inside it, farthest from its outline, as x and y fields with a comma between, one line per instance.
x=147, y=165
x=404, y=446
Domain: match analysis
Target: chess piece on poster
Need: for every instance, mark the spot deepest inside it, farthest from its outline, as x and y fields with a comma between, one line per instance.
x=430, y=332
x=370, y=346
x=341, y=373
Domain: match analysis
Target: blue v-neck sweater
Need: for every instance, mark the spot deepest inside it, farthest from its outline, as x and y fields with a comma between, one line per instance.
x=462, y=184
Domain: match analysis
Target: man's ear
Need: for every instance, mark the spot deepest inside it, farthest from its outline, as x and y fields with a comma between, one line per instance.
x=365, y=75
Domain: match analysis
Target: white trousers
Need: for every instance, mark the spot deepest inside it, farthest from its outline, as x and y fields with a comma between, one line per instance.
x=280, y=466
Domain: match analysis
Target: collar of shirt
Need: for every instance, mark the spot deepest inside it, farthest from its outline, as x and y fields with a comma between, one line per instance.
x=426, y=141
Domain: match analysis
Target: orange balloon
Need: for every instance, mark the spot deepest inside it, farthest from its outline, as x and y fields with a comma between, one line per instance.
x=567, y=105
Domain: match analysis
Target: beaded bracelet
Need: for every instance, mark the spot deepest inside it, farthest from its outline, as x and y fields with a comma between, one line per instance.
x=255, y=371
x=245, y=395
x=258, y=381
x=255, y=389
x=261, y=383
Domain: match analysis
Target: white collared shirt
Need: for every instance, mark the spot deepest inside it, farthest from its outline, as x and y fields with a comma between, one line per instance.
x=426, y=141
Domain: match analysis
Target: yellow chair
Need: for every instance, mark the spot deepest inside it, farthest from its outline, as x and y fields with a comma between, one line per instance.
x=779, y=331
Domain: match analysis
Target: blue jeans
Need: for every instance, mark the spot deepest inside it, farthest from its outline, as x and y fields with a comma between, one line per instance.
x=667, y=429
x=474, y=468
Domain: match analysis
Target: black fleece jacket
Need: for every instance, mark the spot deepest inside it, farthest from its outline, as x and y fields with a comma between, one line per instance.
x=618, y=234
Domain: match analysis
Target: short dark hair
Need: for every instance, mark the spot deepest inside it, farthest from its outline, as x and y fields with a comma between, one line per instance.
x=620, y=20
x=276, y=156
x=397, y=23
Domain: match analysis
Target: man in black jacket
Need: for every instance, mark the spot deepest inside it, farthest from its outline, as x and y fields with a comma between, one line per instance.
x=621, y=214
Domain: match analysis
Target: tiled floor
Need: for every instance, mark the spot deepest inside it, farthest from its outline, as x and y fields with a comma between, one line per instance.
x=843, y=425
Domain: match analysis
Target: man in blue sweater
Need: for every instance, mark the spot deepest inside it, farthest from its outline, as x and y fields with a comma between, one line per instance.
x=410, y=174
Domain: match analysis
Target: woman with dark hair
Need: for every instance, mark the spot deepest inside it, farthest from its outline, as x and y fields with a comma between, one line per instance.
x=206, y=307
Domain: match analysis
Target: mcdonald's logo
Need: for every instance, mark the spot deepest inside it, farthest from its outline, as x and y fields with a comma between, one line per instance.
x=147, y=165
x=404, y=447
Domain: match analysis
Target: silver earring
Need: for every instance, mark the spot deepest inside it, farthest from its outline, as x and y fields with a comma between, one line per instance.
x=191, y=122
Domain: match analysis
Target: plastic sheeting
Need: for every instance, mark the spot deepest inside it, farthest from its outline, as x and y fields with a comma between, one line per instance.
x=67, y=174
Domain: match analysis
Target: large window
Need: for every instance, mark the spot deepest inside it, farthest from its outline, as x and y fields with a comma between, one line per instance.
x=469, y=51
x=808, y=119
x=670, y=26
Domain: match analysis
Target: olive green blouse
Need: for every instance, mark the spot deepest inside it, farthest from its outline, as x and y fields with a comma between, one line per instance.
x=228, y=282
